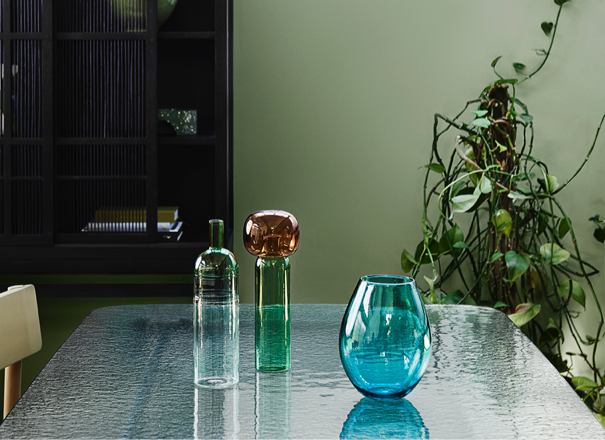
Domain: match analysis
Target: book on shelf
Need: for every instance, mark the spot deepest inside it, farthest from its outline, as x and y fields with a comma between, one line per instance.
x=133, y=219
x=134, y=214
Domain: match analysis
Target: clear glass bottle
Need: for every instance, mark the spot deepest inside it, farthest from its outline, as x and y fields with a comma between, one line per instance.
x=216, y=314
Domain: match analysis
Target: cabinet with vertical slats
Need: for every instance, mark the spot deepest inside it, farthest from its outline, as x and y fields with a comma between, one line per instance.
x=80, y=137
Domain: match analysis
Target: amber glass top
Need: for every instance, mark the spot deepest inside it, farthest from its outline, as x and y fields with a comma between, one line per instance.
x=271, y=234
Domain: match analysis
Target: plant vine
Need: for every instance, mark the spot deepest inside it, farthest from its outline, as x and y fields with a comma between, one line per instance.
x=520, y=252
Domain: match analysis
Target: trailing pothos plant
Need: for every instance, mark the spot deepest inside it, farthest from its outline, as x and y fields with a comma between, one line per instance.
x=493, y=225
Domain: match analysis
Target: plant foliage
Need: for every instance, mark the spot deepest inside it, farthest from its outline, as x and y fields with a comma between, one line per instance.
x=500, y=231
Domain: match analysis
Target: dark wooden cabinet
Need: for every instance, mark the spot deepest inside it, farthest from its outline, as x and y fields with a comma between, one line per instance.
x=81, y=136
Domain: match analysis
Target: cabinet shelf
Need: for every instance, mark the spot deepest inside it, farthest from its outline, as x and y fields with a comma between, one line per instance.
x=92, y=137
x=186, y=35
x=187, y=140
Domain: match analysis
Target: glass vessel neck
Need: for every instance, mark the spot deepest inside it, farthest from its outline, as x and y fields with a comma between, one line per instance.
x=216, y=234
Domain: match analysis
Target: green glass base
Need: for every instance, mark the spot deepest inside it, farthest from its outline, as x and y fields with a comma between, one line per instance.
x=272, y=338
x=273, y=369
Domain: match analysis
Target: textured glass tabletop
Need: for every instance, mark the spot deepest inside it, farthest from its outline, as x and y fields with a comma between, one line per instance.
x=127, y=371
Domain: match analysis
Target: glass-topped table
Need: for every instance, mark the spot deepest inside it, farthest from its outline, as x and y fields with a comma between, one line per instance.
x=127, y=372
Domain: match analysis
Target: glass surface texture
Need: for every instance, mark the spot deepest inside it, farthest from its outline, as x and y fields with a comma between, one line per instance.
x=216, y=315
x=127, y=372
x=385, y=338
x=272, y=330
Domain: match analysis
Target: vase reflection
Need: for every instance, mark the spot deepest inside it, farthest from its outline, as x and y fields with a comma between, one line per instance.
x=272, y=402
x=371, y=418
x=216, y=413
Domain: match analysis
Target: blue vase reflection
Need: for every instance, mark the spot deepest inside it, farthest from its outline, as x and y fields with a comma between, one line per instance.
x=372, y=418
x=385, y=338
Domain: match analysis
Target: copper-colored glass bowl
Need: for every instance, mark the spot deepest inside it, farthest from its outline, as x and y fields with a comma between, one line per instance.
x=271, y=234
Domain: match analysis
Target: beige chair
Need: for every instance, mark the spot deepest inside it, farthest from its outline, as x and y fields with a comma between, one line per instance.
x=19, y=337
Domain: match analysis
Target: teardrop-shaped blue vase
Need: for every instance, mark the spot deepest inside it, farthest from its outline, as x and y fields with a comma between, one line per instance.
x=385, y=338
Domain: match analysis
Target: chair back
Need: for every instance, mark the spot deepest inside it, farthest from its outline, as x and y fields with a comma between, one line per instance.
x=20, y=337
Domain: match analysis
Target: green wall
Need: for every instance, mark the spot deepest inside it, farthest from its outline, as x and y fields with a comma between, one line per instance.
x=333, y=114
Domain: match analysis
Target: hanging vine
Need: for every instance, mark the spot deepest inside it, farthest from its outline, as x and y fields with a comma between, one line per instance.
x=509, y=241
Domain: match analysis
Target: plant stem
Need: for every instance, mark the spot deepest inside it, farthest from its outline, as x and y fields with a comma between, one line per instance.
x=552, y=40
x=585, y=159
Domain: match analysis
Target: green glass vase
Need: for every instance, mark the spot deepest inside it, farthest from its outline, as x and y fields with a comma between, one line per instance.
x=272, y=236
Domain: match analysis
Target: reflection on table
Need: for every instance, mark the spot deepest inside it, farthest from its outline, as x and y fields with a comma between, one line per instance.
x=127, y=371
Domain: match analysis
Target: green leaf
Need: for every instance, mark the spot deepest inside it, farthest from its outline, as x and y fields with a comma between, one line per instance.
x=465, y=202
x=561, y=2
x=503, y=221
x=407, y=261
x=600, y=418
x=511, y=81
x=548, y=336
x=567, y=287
x=495, y=256
x=553, y=324
x=516, y=264
x=524, y=191
x=426, y=299
x=557, y=361
x=502, y=148
x=524, y=313
x=421, y=256
x=496, y=61
x=553, y=254
x=438, y=168
x=519, y=66
x=470, y=301
x=460, y=245
x=523, y=176
x=541, y=52
x=542, y=222
x=547, y=27
x=471, y=155
x=517, y=196
x=526, y=118
x=550, y=184
x=564, y=227
x=499, y=305
x=456, y=188
x=599, y=234
x=582, y=383
x=431, y=283
x=535, y=282
x=485, y=186
x=450, y=239
x=479, y=113
x=481, y=122
x=454, y=297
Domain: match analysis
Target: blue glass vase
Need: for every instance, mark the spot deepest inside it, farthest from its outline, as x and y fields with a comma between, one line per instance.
x=385, y=338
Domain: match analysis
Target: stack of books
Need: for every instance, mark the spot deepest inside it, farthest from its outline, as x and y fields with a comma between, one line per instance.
x=120, y=219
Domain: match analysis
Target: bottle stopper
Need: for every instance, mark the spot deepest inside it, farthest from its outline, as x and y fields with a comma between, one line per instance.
x=271, y=234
